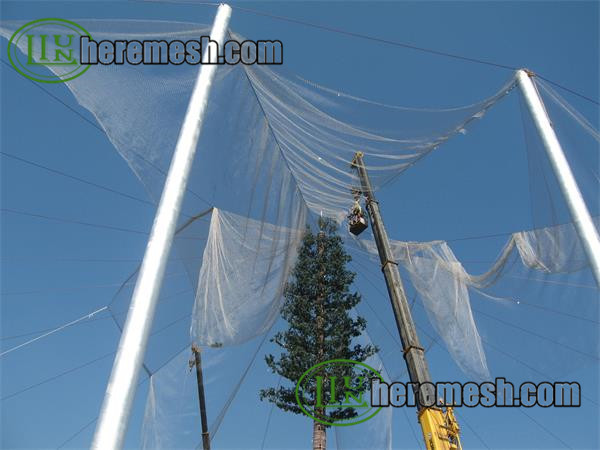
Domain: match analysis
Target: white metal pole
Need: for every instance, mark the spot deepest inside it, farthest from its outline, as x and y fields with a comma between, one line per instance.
x=120, y=392
x=579, y=212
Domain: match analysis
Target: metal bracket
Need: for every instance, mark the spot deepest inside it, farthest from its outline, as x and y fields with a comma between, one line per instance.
x=412, y=347
x=386, y=262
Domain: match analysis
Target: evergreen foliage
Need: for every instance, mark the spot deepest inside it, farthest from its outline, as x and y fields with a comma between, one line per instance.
x=317, y=307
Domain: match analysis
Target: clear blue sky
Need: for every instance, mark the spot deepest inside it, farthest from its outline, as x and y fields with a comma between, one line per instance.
x=474, y=185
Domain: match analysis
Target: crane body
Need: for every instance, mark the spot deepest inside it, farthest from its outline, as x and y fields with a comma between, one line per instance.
x=438, y=424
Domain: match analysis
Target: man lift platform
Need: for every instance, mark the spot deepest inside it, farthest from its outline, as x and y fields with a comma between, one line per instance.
x=357, y=223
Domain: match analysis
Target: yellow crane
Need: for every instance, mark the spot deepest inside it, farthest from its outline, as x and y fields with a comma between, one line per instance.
x=438, y=423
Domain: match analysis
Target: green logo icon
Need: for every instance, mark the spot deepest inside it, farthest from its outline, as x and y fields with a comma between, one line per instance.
x=47, y=43
x=335, y=392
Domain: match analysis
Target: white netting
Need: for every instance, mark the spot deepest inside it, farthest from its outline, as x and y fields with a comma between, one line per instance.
x=172, y=412
x=553, y=249
x=274, y=149
x=375, y=433
x=258, y=116
x=438, y=277
x=245, y=266
x=319, y=130
x=443, y=284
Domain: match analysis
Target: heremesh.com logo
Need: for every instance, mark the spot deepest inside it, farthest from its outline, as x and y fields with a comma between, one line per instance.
x=336, y=392
x=47, y=43
x=68, y=50
x=176, y=52
x=342, y=392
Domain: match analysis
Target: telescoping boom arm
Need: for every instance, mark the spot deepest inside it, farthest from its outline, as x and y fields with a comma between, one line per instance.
x=439, y=426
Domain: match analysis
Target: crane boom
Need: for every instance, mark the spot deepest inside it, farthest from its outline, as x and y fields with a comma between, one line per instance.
x=439, y=426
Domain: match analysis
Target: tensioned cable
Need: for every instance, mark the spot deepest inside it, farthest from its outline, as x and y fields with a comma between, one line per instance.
x=351, y=33
x=567, y=89
x=264, y=439
x=104, y=260
x=488, y=236
x=380, y=40
x=594, y=357
x=412, y=430
x=121, y=285
x=39, y=86
x=433, y=339
x=169, y=325
x=77, y=288
x=71, y=221
x=74, y=369
x=385, y=327
x=575, y=115
x=113, y=316
x=161, y=301
x=82, y=180
x=546, y=377
x=552, y=310
x=64, y=290
x=547, y=430
x=73, y=177
x=31, y=333
x=83, y=428
x=214, y=428
x=81, y=116
x=375, y=39
x=99, y=128
x=181, y=228
x=532, y=154
x=562, y=283
x=55, y=330
x=520, y=302
x=55, y=377
x=489, y=344
x=87, y=224
x=578, y=285
x=404, y=45
x=174, y=322
x=276, y=138
x=188, y=345
x=463, y=419
x=128, y=281
x=531, y=368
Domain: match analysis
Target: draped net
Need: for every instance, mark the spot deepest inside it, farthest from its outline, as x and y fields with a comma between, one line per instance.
x=274, y=154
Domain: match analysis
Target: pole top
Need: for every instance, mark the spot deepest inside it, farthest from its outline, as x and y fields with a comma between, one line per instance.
x=223, y=12
x=529, y=72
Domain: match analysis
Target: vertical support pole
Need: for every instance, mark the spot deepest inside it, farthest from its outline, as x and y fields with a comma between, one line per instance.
x=579, y=213
x=201, y=399
x=120, y=392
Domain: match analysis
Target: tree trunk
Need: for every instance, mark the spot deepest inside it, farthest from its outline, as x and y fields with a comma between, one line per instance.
x=319, y=436
x=319, y=430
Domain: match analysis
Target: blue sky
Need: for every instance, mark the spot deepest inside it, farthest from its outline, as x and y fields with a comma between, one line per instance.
x=477, y=184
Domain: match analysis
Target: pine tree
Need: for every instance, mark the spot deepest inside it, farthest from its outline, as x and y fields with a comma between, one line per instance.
x=317, y=309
